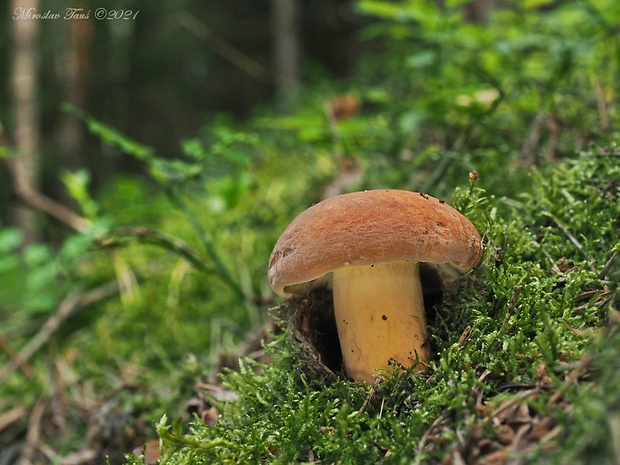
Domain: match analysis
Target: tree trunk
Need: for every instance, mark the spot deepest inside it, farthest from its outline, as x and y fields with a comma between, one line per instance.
x=24, y=88
x=478, y=11
x=286, y=51
x=75, y=76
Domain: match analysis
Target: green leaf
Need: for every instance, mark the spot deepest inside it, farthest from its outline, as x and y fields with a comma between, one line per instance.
x=10, y=238
x=111, y=136
x=37, y=254
x=422, y=59
x=77, y=185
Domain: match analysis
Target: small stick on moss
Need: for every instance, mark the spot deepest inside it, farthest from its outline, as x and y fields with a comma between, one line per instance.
x=554, y=266
x=367, y=400
x=34, y=433
x=572, y=239
x=65, y=310
x=608, y=265
x=10, y=417
x=465, y=335
x=430, y=431
x=515, y=297
x=16, y=359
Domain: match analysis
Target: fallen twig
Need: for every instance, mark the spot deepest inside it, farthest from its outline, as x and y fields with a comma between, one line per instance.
x=36, y=200
x=34, y=433
x=445, y=416
x=11, y=416
x=16, y=359
x=67, y=306
x=608, y=265
x=515, y=298
x=571, y=238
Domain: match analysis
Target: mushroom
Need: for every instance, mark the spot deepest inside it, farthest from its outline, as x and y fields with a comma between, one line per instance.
x=369, y=246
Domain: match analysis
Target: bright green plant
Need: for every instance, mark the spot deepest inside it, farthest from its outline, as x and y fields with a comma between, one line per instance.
x=527, y=84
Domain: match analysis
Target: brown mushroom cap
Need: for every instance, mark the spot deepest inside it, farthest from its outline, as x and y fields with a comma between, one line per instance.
x=364, y=228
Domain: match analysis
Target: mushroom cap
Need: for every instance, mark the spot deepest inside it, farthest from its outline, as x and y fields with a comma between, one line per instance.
x=364, y=228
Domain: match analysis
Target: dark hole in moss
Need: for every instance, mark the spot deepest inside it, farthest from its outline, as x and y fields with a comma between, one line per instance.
x=317, y=324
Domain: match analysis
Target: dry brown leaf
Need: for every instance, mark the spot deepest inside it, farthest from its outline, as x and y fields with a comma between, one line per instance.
x=344, y=106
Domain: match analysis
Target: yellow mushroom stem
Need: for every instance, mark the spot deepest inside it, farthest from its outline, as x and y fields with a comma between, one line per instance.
x=379, y=312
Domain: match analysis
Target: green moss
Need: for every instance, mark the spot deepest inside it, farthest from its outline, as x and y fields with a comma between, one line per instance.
x=520, y=330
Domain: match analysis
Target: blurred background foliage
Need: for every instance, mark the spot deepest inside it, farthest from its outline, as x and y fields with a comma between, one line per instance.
x=184, y=166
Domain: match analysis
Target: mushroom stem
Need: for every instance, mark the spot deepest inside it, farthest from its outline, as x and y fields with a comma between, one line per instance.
x=379, y=312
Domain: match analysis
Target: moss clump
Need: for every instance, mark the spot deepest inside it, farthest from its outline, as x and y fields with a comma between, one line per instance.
x=518, y=344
